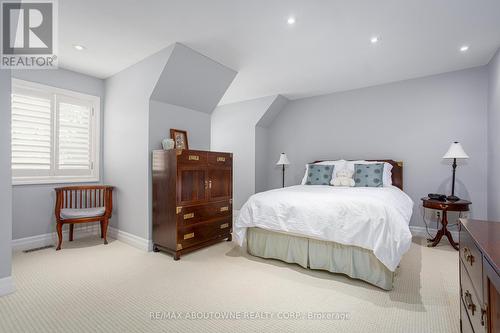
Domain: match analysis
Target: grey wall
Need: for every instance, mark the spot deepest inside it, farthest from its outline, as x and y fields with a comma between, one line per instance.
x=126, y=141
x=33, y=205
x=413, y=121
x=192, y=80
x=163, y=117
x=261, y=158
x=233, y=130
x=494, y=138
x=142, y=104
x=5, y=176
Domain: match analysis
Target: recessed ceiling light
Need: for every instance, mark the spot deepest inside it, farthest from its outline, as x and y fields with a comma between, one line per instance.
x=464, y=48
x=291, y=20
x=79, y=47
x=375, y=39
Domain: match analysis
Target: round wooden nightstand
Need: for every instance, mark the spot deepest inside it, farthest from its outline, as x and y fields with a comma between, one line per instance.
x=445, y=206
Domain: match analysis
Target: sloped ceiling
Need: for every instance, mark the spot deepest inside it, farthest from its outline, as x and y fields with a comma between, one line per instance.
x=327, y=50
x=192, y=80
x=274, y=109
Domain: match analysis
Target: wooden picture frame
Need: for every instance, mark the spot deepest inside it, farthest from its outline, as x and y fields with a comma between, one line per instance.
x=180, y=138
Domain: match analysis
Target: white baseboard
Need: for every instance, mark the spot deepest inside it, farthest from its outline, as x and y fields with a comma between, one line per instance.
x=7, y=286
x=132, y=240
x=27, y=243
x=421, y=232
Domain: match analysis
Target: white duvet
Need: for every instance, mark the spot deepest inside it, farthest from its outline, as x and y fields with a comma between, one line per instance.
x=372, y=218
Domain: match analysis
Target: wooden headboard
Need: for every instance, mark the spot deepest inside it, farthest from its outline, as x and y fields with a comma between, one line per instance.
x=397, y=171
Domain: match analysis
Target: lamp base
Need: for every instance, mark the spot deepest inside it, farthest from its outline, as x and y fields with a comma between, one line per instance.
x=452, y=198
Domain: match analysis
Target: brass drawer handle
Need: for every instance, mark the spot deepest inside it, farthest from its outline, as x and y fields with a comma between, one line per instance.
x=194, y=158
x=224, y=209
x=188, y=216
x=468, y=301
x=221, y=159
x=224, y=226
x=468, y=256
x=188, y=236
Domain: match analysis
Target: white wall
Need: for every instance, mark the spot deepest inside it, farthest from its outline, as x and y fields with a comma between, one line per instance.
x=33, y=205
x=5, y=182
x=233, y=130
x=494, y=138
x=413, y=121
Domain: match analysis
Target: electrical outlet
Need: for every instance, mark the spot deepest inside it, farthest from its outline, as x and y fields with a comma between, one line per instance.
x=438, y=215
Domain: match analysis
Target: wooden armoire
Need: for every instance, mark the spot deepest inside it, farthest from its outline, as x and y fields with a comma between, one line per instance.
x=192, y=199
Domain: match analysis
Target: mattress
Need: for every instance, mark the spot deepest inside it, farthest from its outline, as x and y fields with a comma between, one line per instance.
x=374, y=219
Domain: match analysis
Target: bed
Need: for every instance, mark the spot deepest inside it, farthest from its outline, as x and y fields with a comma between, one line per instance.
x=357, y=231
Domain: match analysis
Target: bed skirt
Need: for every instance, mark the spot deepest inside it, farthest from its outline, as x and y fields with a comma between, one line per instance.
x=353, y=261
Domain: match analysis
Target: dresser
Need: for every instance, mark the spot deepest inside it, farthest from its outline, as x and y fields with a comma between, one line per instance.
x=479, y=276
x=192, y=199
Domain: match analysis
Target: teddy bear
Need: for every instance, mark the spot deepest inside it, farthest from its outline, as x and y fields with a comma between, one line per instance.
x=343, y=178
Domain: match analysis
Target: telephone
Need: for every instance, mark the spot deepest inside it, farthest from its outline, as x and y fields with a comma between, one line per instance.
x=438, y=197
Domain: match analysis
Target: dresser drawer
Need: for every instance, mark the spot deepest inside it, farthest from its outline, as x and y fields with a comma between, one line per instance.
x=199, y=233
x=220, y=159
x=199, y=213
x=472, y=260
x=466, y=325
x=195, y=157
x=473, y=305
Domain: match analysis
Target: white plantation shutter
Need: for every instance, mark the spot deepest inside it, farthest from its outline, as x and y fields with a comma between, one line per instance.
x=74, y=135
x=31, y=131
x=55, y=135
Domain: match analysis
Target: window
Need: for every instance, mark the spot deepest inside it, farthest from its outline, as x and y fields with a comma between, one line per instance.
x=55, y=135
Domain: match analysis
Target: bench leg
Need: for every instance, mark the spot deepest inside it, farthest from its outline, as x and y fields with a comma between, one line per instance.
x=59, y=235
x=71, y=227
x=102, y=229
x=105, y=231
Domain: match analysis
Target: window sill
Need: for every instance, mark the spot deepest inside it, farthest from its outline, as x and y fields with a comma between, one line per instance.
x=53, y=180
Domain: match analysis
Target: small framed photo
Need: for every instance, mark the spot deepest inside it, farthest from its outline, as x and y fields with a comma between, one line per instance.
x=180, y=138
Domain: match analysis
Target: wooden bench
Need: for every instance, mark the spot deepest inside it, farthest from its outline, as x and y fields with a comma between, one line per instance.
x=83, y=204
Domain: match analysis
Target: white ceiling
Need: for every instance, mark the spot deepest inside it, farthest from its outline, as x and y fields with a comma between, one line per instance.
x=328, y=49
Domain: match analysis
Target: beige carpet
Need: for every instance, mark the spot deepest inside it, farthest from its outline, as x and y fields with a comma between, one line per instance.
x=89, y=287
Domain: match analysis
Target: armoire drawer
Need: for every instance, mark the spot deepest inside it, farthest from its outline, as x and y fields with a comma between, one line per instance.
x=194, y=157
x=194, y=214
x=199, y=233
x=220, y=159
x=472, y=260
x=473, y=305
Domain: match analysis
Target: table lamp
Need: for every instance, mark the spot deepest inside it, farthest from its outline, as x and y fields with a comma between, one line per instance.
x=283, y=161
x=455, y=151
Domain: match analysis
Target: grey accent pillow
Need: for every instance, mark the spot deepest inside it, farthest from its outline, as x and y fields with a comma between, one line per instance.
x=368, y=175
x=319, y=174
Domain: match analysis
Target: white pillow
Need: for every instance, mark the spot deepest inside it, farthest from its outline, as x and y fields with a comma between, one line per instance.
x=339, y=165
x=386, y=177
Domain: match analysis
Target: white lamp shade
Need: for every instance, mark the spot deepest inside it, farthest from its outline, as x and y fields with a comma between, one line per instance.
x=283, y=160
x=455, y=151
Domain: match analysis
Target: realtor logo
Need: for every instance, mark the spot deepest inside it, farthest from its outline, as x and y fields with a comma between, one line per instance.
x=29, y=34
